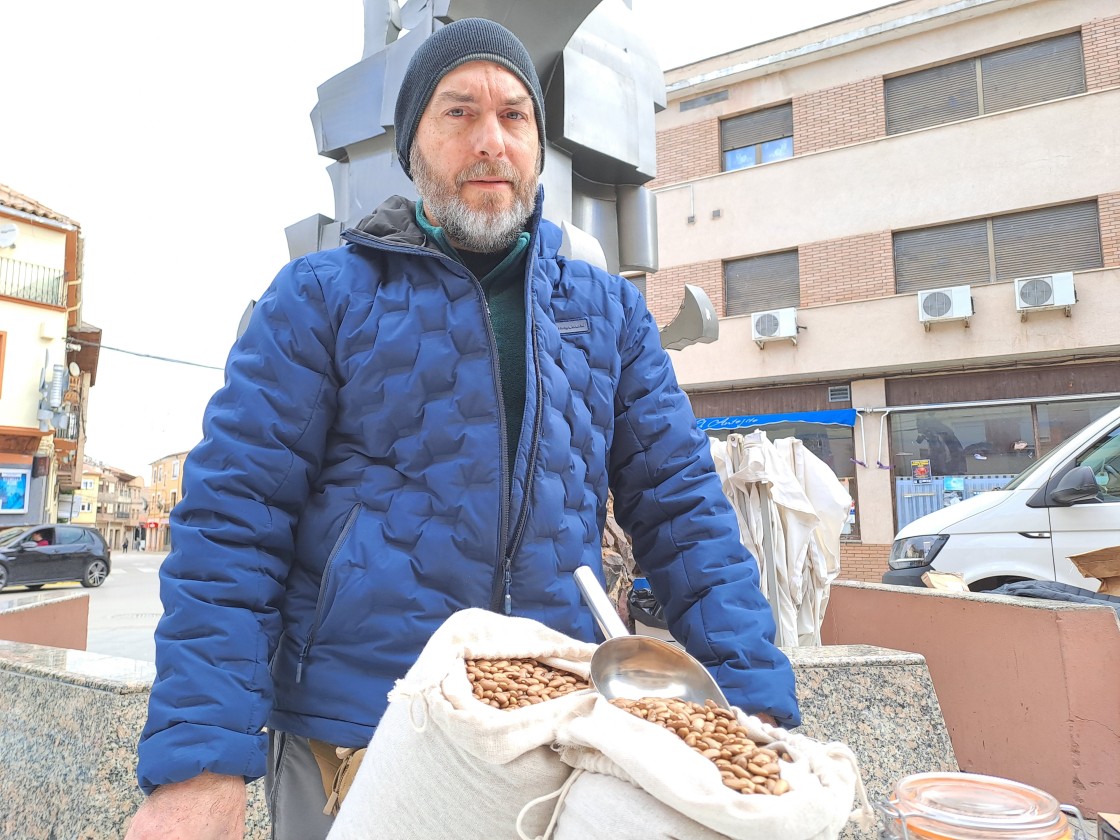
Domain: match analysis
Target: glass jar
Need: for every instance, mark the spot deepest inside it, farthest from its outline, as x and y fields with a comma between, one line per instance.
x=966, y=806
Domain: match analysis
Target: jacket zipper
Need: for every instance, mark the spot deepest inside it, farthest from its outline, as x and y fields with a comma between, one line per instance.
x=323, y=589
x=530, y=463
x=501, y=600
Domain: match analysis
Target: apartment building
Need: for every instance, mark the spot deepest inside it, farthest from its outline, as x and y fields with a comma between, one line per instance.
x=165, y=491
x=120, y=507
x=48, y=359
x=908, y=222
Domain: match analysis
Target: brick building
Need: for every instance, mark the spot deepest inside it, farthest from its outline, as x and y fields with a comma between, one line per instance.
x=911, y=215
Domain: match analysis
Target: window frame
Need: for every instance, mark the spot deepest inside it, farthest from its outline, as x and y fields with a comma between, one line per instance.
x=762, y=126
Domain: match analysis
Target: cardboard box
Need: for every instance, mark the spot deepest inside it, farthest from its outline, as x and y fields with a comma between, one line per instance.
x=1102, y=564
x=945, y=581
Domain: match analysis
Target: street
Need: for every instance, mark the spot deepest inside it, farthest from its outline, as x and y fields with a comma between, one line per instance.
x=123, y=611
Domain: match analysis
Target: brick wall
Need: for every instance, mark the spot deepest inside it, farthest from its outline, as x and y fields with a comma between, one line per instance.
x=663, y=289
x=687, y=152
x=839, y=116
x=864, y=563
x=841, y=270
x=1109, y=207
x=1101, y=42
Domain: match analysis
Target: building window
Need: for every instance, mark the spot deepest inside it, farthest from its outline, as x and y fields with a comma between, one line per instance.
x=757, y=137
x=769, y=281
x=87, y=483
x=86, y=507
x=639, y=280
x=1022, y=75
x=1044, y=241
x=175, y=469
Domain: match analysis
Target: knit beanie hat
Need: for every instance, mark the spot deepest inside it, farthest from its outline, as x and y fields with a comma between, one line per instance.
x=469, y=39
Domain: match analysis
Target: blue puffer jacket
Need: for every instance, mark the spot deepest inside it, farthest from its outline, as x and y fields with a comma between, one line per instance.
x=350, y=494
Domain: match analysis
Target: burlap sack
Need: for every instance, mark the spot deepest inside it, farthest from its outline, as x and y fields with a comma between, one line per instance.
x=444, y=765
x=672, y=791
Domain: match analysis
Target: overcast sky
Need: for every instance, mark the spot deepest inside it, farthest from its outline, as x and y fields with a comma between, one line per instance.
x=178, y=136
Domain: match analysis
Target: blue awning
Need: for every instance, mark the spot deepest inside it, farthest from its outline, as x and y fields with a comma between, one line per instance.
x=836, y=417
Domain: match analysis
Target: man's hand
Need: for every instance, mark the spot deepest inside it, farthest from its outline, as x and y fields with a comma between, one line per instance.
x=207, y=807
x=765, y=718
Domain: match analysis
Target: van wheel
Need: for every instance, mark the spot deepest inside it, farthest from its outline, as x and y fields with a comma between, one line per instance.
x=988, y=584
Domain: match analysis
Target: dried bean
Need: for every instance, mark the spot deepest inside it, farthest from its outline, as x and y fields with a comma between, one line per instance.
x=744, y=765
x=517, y=683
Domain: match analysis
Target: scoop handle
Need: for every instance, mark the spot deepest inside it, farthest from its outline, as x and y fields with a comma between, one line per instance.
x=600, y=605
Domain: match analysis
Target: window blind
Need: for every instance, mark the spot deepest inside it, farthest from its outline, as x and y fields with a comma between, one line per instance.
x=769, y=281
x=1035, y=72
x=756, y=127
x=1065, y=238
x=946, y=255
x=931, y=97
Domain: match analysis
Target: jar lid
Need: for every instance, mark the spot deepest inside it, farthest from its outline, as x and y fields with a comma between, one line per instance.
x=967, y=806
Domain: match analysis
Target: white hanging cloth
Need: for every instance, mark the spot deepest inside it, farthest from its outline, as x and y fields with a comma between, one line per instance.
x=791, y=510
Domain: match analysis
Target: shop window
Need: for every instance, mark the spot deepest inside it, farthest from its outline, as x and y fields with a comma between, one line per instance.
x=943, y=456
x=754, y=284
x=1059, y=420
x=758, y=137
x=1036, y=72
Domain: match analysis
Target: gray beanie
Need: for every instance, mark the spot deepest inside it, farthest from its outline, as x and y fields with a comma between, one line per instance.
x=469, y=39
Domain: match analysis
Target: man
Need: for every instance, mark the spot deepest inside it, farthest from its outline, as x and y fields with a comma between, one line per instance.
x=424, y=420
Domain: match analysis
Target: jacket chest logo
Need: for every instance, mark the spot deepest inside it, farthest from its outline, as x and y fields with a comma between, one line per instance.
x=574, y=326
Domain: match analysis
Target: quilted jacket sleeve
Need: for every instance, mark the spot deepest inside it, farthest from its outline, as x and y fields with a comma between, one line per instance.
x=686, y=537
x=221, y=586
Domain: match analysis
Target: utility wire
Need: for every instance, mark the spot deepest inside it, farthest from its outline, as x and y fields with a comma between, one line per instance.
x=142, y=355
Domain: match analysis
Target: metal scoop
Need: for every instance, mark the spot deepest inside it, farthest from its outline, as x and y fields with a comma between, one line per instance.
x=633, y=667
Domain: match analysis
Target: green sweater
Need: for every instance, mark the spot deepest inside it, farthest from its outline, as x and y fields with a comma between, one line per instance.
x=503, y=284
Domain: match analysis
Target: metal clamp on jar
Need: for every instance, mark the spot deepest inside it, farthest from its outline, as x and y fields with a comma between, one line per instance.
x=966, y=806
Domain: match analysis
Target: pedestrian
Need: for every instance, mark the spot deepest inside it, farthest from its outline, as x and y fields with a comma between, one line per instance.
x=124, y=546
x=424, y=420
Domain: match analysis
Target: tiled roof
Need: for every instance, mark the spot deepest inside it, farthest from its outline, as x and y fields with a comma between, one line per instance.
x=19, y=201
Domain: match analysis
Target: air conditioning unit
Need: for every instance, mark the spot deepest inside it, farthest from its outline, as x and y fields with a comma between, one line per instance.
x=774, y=324
x=1046, y=291
x=953, y=303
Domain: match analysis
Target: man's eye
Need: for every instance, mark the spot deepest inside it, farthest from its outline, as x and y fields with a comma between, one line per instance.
x=456, y=112
x=515, y=115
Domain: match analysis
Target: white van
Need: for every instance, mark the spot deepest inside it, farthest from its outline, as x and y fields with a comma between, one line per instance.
x=1066, y=503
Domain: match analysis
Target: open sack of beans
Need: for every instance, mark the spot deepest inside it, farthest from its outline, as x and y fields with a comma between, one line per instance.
x=656, y=769
x=467, y=738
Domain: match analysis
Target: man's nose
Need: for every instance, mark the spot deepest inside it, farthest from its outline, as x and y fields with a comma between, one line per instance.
x=489, y=141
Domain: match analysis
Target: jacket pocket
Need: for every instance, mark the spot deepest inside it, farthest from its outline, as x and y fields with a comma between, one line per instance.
x=324, y=587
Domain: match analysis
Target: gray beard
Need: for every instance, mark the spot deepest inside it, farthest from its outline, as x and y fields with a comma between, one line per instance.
x=483, y=231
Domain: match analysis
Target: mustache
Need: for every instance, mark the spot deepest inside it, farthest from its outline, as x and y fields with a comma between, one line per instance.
x=489, y=169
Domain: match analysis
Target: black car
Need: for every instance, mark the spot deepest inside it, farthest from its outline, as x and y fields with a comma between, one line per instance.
x=32, y=555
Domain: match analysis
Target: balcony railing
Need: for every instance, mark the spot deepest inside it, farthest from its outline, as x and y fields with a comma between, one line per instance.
x=28, y=281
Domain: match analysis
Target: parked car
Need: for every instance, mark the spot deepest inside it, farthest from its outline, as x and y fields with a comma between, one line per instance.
x=34, y=555
x=1066, y=503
